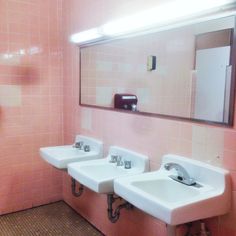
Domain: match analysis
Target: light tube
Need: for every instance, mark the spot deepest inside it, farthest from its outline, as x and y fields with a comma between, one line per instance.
x=166, y=13
x=85, y=36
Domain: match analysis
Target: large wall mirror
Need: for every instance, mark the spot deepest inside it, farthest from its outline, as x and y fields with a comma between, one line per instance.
x=185, y=72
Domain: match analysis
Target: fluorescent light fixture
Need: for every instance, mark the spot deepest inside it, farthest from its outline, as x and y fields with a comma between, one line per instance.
x=169, y=13
x=85, y=36
x=165, y=13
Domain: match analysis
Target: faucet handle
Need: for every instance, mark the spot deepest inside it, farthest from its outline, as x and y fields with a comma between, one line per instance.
x=113, y=158
x=119, y=161
x=86, y=148
x=127, y=164
x=78, y=145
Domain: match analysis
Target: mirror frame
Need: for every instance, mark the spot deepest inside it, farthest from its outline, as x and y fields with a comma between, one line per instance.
x=232, y=102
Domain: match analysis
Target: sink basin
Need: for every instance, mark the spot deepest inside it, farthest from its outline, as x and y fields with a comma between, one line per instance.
x=176, y=203
x=61, y=156
x=98, y=175
x=166, y=189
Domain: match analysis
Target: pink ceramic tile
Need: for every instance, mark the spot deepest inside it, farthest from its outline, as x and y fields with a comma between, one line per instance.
x=186, y=131
x=228, y=221
x=28, y=126
x=233, y=180
x=229, y=160
x=230, y=140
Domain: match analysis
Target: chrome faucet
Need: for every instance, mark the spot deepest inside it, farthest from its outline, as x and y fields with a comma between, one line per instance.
x=78, y=145
x=183, y=176
x=87, y=148
x=119, y=161
x=127, y=164
x=113, y=159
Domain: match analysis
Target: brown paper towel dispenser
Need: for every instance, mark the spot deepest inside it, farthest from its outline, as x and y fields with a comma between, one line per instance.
x=126, y=101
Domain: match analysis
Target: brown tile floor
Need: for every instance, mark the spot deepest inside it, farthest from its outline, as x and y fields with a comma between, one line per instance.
x=49, y=220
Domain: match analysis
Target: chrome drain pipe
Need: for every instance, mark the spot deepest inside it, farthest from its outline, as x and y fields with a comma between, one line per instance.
x=73, y=188
x=114, y=215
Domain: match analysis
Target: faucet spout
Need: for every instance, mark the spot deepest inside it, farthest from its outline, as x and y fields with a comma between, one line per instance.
x=182, y=176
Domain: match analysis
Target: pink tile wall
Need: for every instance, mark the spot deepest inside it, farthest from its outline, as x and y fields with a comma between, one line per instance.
x=31, y=61
x=151, y=136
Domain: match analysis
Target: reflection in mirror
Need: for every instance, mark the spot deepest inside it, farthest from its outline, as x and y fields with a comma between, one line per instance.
x=183, y=72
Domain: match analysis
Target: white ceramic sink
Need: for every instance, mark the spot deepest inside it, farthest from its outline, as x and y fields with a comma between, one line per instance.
x=176, y=203
x=98, y=175
x=61, y=156
x=166, y=189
